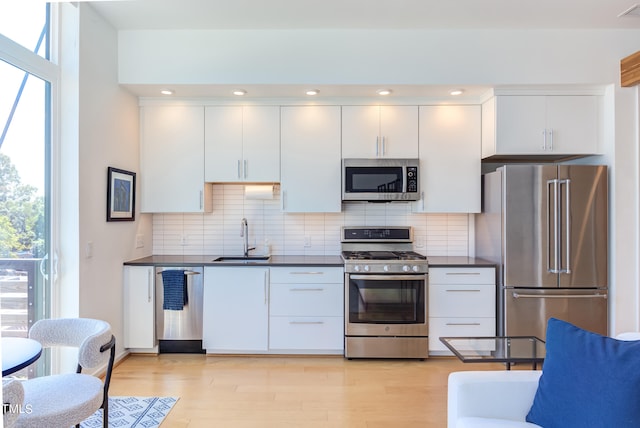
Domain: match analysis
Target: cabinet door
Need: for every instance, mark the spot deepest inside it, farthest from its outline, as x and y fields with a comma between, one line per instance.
x=139, y=297
x=361, y=132
x=310, y=159
x=521, y=124
x=261, y=144
x=399, y=131
x=235, y=311
x=223, y=144
x=573, y=124
x=450, y=141
x=171, y=160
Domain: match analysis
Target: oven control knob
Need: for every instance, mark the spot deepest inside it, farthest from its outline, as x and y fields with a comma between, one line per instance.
x=385, y=268
x=366, y=268
x=406, y=268
x=356, y=268
x=416, y=268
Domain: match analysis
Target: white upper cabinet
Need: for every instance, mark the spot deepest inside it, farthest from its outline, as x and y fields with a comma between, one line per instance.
x=242, y=144
x=450, y=165
x=311, y=165
x=171, y=159
x=379, y=131
x=542, y=125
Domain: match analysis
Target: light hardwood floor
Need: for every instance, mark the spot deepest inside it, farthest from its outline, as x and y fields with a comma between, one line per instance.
x=241, y=391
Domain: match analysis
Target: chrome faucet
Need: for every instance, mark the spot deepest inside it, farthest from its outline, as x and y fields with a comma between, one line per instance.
x=244, y=232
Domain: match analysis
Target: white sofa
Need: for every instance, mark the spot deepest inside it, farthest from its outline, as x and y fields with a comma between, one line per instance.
x=483, y=399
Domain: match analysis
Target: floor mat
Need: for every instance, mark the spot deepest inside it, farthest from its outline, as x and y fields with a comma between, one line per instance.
x=129, y=412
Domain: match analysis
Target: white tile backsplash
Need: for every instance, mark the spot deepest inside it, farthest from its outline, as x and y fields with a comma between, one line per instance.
x=219, y=232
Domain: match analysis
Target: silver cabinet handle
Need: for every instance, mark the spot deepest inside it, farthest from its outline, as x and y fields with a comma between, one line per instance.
x=463, y=291
x=201, y=200
x=463, y=273
x=544, y=139
x=307, y=273
x=246, y=164
x=306, y=289
x=463, y=323
x=266, y=287
x=186, y=272
x=551, y=139
x=306, y=322
x=149, y=285
x=556, y=296
x=239, y=173
x=384, y=148
x=377, y=146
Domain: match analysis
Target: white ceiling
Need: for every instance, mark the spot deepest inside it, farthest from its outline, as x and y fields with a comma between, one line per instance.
x=370, y=14
x=358, y=14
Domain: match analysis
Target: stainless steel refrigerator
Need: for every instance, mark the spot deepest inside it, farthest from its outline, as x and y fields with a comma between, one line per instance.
x=545, y=227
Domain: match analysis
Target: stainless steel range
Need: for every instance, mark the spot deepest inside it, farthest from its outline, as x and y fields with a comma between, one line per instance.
x=385, y=294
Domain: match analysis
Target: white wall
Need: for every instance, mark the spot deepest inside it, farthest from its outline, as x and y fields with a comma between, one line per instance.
x=108, y=136
x=444, y=57
x=218, y=233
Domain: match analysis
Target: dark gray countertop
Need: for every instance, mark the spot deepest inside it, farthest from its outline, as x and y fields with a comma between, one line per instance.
x=175, y=260
x=172, y=260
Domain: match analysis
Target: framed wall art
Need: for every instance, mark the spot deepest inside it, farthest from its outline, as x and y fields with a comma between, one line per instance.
x=121, y=195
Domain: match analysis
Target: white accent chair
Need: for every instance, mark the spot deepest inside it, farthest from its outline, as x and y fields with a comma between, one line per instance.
x=65, y=400
x=484, y=399
x=12, y=399
x=494, y=399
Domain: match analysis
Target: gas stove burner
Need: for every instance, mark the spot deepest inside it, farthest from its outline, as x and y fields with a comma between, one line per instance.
x=382, y=255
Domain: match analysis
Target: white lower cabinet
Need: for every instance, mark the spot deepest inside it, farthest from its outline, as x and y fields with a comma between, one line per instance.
x=307, y=310
x=236, y=310
x=139, y=298
x=462, y=303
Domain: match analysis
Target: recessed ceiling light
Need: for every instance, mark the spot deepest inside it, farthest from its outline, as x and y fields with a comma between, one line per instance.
x=456, y=91
x=239, y=92
x=166, y=92
x=384, y=91
x=312, y=92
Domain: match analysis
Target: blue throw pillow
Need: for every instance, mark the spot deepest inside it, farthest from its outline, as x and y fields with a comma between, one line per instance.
x=588, y=380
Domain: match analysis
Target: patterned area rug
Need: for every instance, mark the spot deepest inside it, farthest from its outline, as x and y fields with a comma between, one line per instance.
x=129, y=412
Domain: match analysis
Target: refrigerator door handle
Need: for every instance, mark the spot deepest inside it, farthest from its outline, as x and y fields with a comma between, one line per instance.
x=567, y=225
x=552, y=199
x=558, y=296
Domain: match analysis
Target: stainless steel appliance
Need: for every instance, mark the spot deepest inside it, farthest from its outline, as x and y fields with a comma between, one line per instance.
x=545, y=226
x=180, y=331
x=385, y=294
x=380, y=180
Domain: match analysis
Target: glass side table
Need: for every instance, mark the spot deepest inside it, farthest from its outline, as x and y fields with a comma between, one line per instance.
x=505, y=349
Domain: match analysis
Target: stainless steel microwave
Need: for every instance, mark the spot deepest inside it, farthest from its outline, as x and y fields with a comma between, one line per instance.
x=380, y=180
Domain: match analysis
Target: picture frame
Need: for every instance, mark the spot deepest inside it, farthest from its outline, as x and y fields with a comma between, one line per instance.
x=121, y=195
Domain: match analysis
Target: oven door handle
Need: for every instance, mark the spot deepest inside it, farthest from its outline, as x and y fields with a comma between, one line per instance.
x=391, y=277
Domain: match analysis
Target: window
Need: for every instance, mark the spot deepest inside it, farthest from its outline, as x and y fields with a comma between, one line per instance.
x=27, y=85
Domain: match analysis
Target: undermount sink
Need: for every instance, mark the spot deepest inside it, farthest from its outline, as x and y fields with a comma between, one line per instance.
x=245, y=259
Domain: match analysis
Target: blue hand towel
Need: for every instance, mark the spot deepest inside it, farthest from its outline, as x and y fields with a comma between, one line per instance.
x=175, y=290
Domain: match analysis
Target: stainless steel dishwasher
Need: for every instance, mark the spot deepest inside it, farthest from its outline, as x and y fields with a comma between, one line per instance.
x=180, y=331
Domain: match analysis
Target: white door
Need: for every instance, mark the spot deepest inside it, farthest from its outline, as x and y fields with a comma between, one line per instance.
x=139, y=320
x=171, y=158
x=261, y=144
x=521, y=124
x=450, y=141
x=399, y=132
x=361, y=132
x=310, y=159
x=223, y=144
x=572, y=124
x=236, y=309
